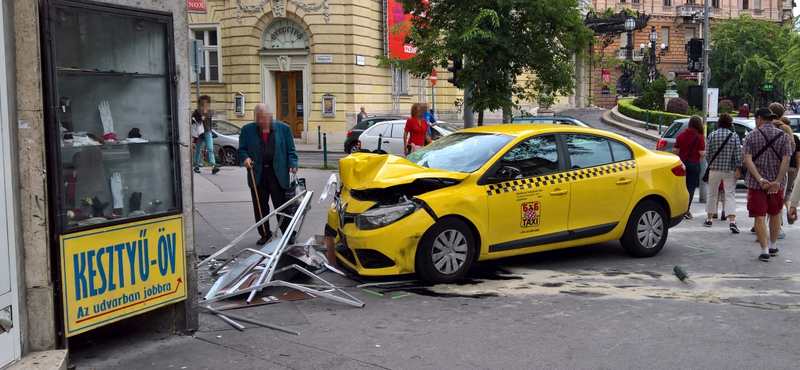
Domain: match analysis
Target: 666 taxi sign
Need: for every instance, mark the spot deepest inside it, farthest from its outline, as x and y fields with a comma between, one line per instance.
x=197, y=6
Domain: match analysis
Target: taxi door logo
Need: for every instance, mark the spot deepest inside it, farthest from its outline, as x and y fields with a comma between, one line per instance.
x=530, y=214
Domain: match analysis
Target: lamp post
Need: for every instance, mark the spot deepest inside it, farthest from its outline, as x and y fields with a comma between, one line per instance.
x=630, y=25
x=651, y=67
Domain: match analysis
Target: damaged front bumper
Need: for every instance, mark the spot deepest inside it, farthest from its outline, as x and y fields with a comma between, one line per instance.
x=386, y=250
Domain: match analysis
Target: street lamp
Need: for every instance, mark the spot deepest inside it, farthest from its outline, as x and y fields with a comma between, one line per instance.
x=651, y=65
x=630, y=25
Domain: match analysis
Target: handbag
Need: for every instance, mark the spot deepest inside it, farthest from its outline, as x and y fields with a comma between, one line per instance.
x=197, y=128
x=691, y=148
x=296, y=187
x=708, y=168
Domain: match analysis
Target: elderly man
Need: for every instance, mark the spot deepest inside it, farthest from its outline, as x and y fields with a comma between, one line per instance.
x=766, y=155
x=361, y=115
x=266, y=149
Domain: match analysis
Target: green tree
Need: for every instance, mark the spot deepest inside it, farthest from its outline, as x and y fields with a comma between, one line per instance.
x=745, y=53
x=502, y=40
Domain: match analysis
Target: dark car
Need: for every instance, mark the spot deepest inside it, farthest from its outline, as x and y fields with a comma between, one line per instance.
x=557, y=120
x=351, y=143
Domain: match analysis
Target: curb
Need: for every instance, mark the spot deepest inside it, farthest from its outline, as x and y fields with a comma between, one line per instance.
x=608, y=119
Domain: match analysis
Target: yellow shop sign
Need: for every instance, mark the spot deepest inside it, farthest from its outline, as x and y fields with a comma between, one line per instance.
x=120, y=271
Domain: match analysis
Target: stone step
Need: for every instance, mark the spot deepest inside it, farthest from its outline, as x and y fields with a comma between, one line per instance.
x=43, y=360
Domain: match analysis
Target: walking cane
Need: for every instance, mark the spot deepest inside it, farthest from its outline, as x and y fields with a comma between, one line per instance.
x=258, y=201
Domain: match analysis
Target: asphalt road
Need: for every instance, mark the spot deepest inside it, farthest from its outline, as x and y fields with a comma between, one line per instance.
x=316, y=159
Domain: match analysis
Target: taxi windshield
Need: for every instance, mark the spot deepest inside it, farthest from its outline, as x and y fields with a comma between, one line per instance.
x=460, y=152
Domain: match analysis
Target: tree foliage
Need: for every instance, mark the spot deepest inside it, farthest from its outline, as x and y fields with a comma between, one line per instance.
x=502, y=40
x=745, y=54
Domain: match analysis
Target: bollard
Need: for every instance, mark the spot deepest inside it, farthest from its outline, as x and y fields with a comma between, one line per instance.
x=380, y=138
x=325, y=150
x=659, y=123
x=319, y=137
x=647, y=121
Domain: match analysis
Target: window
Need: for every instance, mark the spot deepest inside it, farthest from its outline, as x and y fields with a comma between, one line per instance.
x=623, y=40
x=588, y=151
x=398, y=129
x=665, y=36
x=715, y=3
x=666, y=2
x=533, y=157
x=210, y=36
x=756, y=4
x=117, y=149
x=689, y=33
x=401, y=81
x=745, y=4
x=620, y=151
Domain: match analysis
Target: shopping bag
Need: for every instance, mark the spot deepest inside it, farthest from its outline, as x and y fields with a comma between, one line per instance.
x=296, y=186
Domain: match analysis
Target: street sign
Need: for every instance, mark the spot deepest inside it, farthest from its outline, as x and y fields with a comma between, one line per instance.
x=434, y=78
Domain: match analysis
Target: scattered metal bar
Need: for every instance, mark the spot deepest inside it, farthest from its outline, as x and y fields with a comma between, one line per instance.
x=235, y=324
x=250, y=321
x=387, y=283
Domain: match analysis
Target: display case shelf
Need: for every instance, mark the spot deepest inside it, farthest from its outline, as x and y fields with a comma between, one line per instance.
x=95, y=73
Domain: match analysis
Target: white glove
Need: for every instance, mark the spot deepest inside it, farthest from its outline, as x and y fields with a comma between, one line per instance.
x=116, y=189
x=105, y=116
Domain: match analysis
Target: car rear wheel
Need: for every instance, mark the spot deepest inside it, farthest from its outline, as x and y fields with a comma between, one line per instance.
x=445, y=252
x=646, y=231
x=352, y=148
x=228, y=157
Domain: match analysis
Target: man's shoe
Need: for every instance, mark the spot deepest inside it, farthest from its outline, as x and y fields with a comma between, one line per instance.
x=734, y=228
x=773, y=252
x=215, y=170
x=263, y=240
x=707, y=223
x=781, y=234
x=764, y=257
x=753, y=230
x=196, y=169
x=723, y=216
x=714, y=216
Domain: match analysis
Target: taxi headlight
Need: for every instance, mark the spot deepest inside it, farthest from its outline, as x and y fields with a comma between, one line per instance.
x=382, y=216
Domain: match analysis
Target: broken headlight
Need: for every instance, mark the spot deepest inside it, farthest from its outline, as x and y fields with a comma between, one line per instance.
x=384, y=215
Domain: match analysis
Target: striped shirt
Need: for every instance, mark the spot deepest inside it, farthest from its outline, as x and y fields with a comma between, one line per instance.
x=730, y=156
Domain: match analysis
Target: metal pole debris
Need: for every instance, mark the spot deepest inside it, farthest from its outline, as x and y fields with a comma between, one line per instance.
x=249, y=320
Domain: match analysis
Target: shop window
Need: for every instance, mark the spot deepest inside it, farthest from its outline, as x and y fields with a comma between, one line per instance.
x=210, y=35
x=114, y=134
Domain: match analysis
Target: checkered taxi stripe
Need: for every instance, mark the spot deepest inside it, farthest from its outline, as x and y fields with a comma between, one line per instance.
x=558, y=178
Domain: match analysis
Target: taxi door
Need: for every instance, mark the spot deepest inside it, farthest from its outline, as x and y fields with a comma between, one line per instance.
x=603, y=176
x=532, y=209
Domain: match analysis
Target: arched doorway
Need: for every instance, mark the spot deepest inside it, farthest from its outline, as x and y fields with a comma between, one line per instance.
x=286, y=72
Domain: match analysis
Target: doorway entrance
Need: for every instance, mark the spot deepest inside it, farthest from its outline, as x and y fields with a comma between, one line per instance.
x=289, y=94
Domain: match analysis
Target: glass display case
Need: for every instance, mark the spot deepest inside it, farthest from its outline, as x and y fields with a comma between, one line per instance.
x=113, y=153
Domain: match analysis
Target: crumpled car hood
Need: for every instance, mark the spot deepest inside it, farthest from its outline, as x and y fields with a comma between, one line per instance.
x=361, y=171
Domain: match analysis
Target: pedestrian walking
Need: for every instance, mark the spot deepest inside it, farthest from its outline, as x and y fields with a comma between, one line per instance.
x=791, y=184
x=691, y=147
x=415, y=135
x=266, y=149
x=204, y=113
x=723, y=169
x=784, y=124
x=744, y=111
x=361, y=115
x=767, y=151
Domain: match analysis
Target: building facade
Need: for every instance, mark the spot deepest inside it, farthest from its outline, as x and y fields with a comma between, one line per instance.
x=91, y=161
x=676, y=22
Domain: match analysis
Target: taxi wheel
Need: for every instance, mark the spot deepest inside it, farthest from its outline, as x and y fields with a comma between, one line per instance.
x=646, y=231
x=445, y=252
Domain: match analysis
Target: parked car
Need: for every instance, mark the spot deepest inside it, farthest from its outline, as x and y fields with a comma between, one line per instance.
x=544, y=119
x=351, y=142
x=741, y=126
x=795, y=120
x=226, y=141
x=392, y=132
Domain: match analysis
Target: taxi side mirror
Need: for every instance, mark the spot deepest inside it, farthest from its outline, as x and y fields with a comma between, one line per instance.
x=506, y=173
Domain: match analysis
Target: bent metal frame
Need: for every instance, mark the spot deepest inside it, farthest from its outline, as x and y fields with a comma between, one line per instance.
x=257, y=271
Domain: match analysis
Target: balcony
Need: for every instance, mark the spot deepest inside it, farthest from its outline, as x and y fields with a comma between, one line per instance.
x=638, y=55
x=787, y=4
x=690, y=10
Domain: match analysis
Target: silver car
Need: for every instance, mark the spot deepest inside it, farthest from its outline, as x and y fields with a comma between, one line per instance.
x=740, y=125
x=226, y=141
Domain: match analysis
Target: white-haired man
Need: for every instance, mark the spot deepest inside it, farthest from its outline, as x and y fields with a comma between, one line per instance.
x=266, y=149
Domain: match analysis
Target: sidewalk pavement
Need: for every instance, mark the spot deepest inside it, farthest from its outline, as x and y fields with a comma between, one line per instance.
x=636, y=127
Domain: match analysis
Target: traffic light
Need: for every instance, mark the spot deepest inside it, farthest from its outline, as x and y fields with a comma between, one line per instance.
x=768, y=86
x=457, y=65
x=695, y=63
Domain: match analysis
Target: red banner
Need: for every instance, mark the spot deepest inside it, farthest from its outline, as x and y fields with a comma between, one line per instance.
x=396, y=16
x=197, y=6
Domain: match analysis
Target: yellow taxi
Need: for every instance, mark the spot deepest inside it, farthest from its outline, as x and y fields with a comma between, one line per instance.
x=500, y=191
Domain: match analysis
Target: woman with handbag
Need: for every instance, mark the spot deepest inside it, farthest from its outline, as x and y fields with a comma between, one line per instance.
x=416, y=131
x=723, y=168
x=691, y=147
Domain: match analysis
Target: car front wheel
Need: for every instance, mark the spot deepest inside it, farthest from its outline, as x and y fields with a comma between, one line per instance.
x=646, y=231
x=445, y=252
x=229, y=157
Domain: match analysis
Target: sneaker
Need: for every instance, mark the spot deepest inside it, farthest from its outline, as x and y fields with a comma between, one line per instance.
x=714, y=216
x=734, y=228
x=781, y=234
x=196, y=169
x=764, y=257
x=753, y=230
x=773, y=252
x=708, y=223
x=215, y=170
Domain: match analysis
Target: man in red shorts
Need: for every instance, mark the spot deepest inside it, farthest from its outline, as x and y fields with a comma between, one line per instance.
x=767, y=151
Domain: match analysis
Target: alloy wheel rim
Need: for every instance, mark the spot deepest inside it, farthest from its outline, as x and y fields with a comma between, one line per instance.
x=650, y=229
x=449, y=252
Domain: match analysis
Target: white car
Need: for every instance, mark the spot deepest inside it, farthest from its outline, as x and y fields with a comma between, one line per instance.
x=392, y=136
